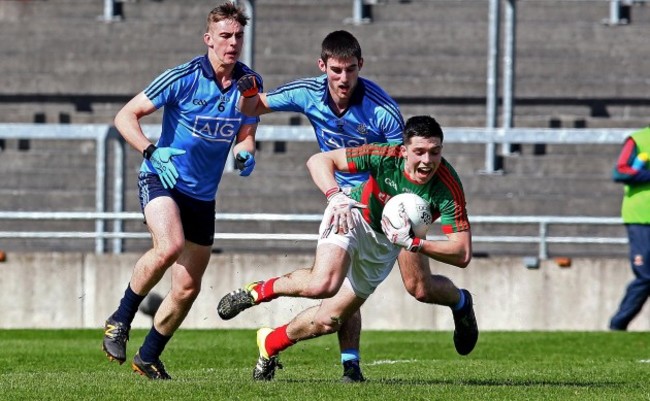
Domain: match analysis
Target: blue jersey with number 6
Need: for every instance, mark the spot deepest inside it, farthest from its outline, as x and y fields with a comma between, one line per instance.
x=372, y=116
x=200, y=117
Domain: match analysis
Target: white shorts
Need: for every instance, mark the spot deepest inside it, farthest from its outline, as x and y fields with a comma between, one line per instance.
x=372, y=255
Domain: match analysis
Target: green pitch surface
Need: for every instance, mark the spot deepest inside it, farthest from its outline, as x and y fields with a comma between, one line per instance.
x=217, y=365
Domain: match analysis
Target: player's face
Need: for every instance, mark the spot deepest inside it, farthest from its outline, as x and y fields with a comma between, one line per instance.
x=342, y=77
x=423, y=157
x=225, y=39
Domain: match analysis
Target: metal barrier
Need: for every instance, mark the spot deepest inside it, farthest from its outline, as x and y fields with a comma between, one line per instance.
x=103, y=134
x=542, y=221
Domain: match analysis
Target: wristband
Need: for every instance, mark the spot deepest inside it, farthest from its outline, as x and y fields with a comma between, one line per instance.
x=416, y=245
x=149, y=151
x=330, y=192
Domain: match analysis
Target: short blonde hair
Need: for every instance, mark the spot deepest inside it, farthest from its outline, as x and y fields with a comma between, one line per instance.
x=227, y=10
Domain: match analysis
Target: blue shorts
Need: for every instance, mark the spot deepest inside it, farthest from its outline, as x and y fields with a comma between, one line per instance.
x=197, y=216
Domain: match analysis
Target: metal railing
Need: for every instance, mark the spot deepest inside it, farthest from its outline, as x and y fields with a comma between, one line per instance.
x=542, y=239
x=104, y=134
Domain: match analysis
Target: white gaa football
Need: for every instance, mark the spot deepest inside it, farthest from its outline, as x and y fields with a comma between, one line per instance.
x=417, y=209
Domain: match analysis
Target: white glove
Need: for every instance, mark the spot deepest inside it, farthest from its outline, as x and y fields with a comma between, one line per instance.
x=339, y=206
x=402, y=236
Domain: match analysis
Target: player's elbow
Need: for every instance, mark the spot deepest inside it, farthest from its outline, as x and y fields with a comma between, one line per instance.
x=462, y=250
x=464, y=262
x=464, y=258
x=119, y=120
x=315, y=162
x=461, y=257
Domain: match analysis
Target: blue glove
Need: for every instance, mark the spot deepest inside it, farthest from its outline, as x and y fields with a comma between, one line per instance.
x=161, y=159
x=245, y=163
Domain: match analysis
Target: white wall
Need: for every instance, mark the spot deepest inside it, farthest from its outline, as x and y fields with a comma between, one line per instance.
x=74, y=290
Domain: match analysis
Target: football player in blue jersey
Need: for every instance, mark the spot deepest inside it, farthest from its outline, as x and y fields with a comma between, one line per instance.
x=179, y=178
x=346, y=111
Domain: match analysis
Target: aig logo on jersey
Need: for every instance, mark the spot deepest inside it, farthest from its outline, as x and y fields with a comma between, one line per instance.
x=341, y=139
x=216, y=129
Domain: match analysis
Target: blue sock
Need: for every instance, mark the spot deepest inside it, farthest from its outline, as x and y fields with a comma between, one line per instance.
x=461, y=302
x=128, y=306
x=349, y=354
x=154, y=344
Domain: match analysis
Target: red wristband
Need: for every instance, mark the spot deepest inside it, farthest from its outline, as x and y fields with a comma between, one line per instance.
x=416, y=245
x=332, y=191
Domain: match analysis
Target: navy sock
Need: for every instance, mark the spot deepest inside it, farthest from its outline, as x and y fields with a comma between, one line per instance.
x=128, y=306
x=349, y=354
x=154, y=344
x=461, y=302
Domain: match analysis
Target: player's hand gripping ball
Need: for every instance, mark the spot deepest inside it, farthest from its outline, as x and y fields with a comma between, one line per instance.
x=416, y=209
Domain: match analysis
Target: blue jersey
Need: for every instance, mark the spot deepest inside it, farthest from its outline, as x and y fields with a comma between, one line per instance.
x=200, y=117
x=372, y=116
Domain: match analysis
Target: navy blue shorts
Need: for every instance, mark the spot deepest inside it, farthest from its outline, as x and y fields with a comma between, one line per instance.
x=197, y=216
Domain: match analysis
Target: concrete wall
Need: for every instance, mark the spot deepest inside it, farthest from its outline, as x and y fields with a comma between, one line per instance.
x=76, y=290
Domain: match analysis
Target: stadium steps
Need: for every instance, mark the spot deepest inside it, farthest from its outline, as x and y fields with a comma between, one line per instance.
x=39, y=157
x=47, y=199
x=541, y=28
x=446, y=39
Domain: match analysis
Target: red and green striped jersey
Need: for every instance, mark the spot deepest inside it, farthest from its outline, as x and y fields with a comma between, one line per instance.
x=444, y=191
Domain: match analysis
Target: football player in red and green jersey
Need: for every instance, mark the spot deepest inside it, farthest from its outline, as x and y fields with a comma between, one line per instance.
x=356, y=251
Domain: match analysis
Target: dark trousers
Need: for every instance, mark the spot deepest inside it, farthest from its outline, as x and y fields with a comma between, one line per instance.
x=638, y=290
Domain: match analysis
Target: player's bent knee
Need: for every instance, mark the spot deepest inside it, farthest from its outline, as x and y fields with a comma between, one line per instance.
x=418, y=290
x=183, y=299
x=187, y=294
x=421, y=295
x=166, y=256
x=413, y=287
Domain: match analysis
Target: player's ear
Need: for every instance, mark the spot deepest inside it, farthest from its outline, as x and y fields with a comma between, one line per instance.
x=360, y=63
x=322, y=65
x=207, y=39
x=402, y=150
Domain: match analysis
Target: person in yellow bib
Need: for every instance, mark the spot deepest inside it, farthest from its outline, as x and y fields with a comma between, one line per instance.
x=633, y=171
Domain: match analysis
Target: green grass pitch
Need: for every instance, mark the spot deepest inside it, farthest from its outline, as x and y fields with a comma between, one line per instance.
x=399, y=365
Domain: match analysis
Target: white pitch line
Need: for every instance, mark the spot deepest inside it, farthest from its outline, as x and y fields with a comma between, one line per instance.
x=391, y=362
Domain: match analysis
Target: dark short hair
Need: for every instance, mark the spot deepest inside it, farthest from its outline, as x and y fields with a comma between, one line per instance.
x=340, y=45
x=227, y=10
x=424, y=126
